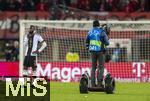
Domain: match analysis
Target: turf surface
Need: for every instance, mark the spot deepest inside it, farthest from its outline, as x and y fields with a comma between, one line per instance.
x=124, y=92
x=70, y=92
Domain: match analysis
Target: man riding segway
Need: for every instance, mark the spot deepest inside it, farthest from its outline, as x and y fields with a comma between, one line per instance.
x=96, y=41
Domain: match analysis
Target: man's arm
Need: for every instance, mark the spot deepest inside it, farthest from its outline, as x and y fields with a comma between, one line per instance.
x=41, y=40
x=43, y=46
x=25, y=41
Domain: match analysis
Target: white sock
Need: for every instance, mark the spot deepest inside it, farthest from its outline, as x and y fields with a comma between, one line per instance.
x=25, y=72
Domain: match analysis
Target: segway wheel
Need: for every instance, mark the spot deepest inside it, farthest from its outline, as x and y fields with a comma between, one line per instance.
x=109, y=85
x=83, y=87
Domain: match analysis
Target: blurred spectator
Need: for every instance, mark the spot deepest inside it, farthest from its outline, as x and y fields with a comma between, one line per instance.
x=147, y=5
x=48, y=5
x=28, y=5
x=116, y=53
x=122, y=5
x=72, y=55
x=13, y=5
x=87, y=5
x=8, y=49
x=81, y=4
x=115, y=6
x=108, y=5
x=73, y=3
x=12, y=51
x=41, y=6
x=95, y=5
x=4, y=5
x=67, y=2
x=15, y=51
x=132, y=6
x=87, y=8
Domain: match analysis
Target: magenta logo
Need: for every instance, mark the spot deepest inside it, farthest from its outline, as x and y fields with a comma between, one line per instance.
x=138, y=68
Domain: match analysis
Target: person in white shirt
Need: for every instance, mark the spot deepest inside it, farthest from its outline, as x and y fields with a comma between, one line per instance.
x=31, y=42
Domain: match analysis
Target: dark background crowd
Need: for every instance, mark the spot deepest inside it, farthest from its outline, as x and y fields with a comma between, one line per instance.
x=9, y=50
x=87, y=5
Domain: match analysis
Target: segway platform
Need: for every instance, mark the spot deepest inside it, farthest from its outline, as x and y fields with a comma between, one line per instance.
x=96, y=89
x=108, y=87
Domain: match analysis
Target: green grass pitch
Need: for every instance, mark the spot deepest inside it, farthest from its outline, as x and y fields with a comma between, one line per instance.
x=124, y=92
x=70, y=92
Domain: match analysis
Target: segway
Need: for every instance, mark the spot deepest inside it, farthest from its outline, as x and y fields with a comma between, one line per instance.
x=108, y=85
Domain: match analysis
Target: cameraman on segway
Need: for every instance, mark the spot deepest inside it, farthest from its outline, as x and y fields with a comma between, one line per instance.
x=95, y=40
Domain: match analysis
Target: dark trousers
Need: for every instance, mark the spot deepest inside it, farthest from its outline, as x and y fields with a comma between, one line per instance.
x=30, y=61
x=98, y=60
